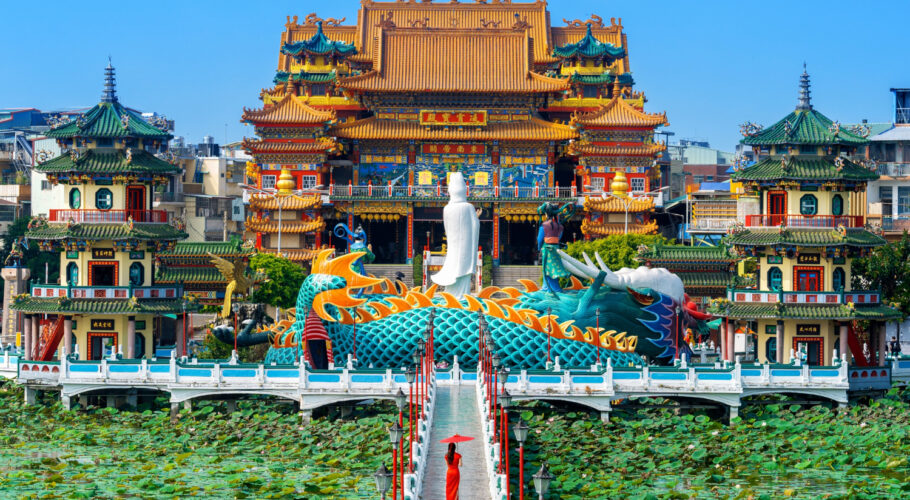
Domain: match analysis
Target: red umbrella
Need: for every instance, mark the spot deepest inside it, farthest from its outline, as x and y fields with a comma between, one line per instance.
x=456, y=439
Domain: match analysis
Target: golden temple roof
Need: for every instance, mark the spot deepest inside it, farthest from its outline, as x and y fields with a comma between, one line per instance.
x=611, y=204
x=453, y=60
x=297, y=254
x=581, y=148
x=287, y=226
x=606, y=229
x=288, y=146
x=533, y=129
x=289, y=110
x=619, y=113
x=268, y=202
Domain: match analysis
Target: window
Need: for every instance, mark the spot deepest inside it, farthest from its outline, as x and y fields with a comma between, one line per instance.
x=808, y=280
x=775, y=279
x=104, y=199
x=838, y=279
x=837, y=205
x=771, y=350
x=597, y=183
x=268, y=181
x=903, y=200
x=698, y=179
x=307, y=181
x=105, y=143
x=589, y=91
x=782, y=150
x=46, y=185
x=637, y=184
x=808, y=205
x=75, y=199
x=709, y=178
x=317, y=89
x=72, y=274
x=808, y=150
x=137, y=274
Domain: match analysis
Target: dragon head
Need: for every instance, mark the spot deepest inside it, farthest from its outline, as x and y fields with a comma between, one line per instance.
x=332, y=282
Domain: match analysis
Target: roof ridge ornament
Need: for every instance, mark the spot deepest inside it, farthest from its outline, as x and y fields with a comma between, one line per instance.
x=521, y=23
x=385, y=20
x=750, y=129
x=804, y=97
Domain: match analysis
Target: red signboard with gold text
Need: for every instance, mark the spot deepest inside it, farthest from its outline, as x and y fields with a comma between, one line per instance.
x=475, y=118
x=464, y=149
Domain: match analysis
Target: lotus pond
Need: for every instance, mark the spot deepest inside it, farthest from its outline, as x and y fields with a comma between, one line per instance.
x=259, y=451
x=774, y=449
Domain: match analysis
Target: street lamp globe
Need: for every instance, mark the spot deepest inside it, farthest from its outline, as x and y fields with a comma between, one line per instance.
x=496, y=361
x=395, y=433
x=505, y=399
x=415, y=357
x=411, y=375
x=401, y=399
x=421, y=345
x=521, y=432
x=383, y=480
x=542, y=481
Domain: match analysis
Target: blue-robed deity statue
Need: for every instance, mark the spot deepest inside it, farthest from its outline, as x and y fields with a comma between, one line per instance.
x=549, y=241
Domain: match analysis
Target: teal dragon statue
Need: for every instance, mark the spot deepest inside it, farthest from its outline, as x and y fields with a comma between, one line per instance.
x=602, y=310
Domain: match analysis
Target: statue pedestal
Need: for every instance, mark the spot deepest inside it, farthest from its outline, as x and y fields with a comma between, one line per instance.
x=15, y=282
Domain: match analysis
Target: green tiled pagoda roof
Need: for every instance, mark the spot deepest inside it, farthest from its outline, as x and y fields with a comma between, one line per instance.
x=589, y=46
x=318, y=44
x=106, y=121
x=822, y=311
x=856, y=237
x=807, y=126
x=190, y=275
x=685, y=253
x=111, y=231
x=282, y=77
x=706, y=279
x=202, y=249
x=100, y=306
x=94, y=161
x=624, y=78
x=809, y=168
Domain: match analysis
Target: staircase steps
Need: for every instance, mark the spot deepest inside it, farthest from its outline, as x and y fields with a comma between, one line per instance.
x=509, y=275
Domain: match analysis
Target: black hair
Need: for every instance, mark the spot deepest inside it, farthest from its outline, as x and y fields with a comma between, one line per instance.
x=450, y=456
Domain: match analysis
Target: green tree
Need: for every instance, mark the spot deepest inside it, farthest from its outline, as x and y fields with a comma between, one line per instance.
x=284, y=278
x=887, y=269
x=617, y=251
x=33, y=258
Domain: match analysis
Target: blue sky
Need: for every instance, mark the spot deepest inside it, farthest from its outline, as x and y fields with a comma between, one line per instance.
x=710, y=64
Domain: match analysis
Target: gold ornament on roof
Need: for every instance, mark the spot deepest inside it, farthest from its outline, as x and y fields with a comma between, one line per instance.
x=619, y=186
x=521, y=23
x=419, y=23
x=235, y=272
x=385, y=20
x=490, y=24
x=285, y=182
x=595, y=22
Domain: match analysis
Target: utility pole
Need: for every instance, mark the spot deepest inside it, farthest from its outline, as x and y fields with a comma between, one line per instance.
x=224, y=225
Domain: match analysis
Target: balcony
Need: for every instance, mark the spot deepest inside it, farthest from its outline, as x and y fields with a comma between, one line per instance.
x=759, y=297
x=107, y=292
x=889, y=169
x=713, y=224
x=441, y=192
x=897, y=224
x=804, y=221
x=169, y=197
x=107, y=216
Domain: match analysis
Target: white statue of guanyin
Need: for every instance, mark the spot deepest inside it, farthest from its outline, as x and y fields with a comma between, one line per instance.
x=462, y=234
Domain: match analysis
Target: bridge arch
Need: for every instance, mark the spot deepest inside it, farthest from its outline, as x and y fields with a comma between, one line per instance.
x=834, y=395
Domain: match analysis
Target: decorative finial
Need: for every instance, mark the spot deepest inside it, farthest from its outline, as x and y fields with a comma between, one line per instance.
x=110, y=83
x=804, y=101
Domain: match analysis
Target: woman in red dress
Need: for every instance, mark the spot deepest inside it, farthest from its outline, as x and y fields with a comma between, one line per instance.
x=453, y=476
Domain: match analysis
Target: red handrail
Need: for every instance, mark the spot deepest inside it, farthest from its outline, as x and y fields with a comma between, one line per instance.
x=809, y=221
x=50, y=339
x=100, y=216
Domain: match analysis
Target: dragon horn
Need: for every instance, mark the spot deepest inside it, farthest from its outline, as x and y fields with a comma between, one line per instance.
x=587, y=259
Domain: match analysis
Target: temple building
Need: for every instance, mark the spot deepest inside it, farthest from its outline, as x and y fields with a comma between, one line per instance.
x=189, y=264
x=707, y=272
x=807, y=195
x=366, y=120
x=107, y=236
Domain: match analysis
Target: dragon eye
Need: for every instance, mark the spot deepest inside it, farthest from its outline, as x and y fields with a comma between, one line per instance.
x=641, y=298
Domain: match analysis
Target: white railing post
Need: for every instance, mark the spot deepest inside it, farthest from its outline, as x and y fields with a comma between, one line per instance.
x=345, y=379
x=144, y=370
x=303, y=381
x=172, y=367
x=216, y=374
x=103, y=368
x=260, y=374
x=389, y=380
x=64, y=368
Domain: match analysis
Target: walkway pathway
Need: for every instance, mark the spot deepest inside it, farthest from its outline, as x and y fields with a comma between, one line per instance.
x=456, y=412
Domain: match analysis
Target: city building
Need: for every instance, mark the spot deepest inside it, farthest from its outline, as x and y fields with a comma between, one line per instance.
x=365, y=121
x=107, y=235
x=889, y=149
x=807, y=208
x=707, y=272
x=701, y=162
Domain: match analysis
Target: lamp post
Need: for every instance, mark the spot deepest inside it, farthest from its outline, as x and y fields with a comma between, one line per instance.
x=492, y=392
x=549, y=322
x=411, y=375
x=395, y=433
x=597, y=334
x=383, y=480
x=415, y=357
x=401, y=399
x=424, y=369
x=521, y=434
x=506, y=401
x=542, y=481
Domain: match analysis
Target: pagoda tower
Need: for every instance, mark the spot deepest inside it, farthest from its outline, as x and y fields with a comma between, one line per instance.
x=807, y=196
x=107, y=235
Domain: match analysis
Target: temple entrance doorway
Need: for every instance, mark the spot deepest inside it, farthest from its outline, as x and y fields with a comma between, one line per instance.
x=388, y=239
x=518, y=243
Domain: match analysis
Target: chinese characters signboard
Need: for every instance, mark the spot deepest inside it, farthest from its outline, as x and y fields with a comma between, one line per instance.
x=476, y=118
